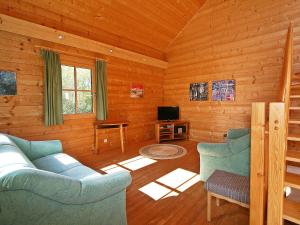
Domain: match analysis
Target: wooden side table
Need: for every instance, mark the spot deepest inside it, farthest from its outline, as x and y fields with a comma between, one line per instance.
x=122, y=125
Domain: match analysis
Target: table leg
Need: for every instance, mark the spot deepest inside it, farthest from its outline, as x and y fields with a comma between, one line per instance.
x=217, y=202
x=125, y=133
x=122, y=137
x=208, y=206
x=96, y=141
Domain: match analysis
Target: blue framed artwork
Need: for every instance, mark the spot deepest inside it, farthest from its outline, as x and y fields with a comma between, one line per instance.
x=223, y=90
x=8, y=83
x=199, y=91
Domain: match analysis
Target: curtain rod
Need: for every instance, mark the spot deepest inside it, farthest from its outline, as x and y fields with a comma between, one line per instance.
x=69, y=53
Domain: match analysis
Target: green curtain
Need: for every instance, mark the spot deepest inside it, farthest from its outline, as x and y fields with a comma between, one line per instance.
x=101, y=91
x=53, y=88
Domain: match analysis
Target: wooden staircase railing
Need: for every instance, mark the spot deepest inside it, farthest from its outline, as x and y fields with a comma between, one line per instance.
x=270, y=153
x=280, y=133
x=258, y=178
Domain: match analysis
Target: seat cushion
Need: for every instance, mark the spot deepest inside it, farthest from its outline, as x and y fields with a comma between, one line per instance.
x=81, y=173
x=56, y=163
x=229, y=185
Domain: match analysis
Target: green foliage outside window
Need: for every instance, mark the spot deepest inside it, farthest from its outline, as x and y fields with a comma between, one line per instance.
x=77, y=90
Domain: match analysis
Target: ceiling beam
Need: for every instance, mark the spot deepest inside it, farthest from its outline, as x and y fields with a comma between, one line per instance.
x=33, y=30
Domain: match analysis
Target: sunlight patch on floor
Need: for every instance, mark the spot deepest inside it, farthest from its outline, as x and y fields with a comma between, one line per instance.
x=138, y=164
x=113, y=169
x=171, y=184
x=155, y=190
x=176, y=178
x=132, y=164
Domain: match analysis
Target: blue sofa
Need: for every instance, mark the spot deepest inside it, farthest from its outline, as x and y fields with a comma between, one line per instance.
x=40, y=185
x=232, y=156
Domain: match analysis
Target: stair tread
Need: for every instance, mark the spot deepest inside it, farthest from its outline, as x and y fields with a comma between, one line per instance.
x=293, y=137
x=291, y=211
x=293, y=156
x=292, y=180
x=294, y=121
x=295, y=96
x=294, y=108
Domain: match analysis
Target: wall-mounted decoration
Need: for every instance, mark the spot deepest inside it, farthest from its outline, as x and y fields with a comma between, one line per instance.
x=223, y=90
x=8, y=83
x=137, y=91
x=199, y=91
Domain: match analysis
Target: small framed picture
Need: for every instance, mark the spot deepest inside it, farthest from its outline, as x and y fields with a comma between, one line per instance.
x=199, y=91
x=8, y=82
x=223, y=90
x=136, y=91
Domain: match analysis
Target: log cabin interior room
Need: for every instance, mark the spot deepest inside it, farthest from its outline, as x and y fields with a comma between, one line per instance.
x=116, y=112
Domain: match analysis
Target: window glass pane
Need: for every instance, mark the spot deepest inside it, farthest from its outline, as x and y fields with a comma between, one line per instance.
x=84, y=79
x=67, y=77
x=68, y=99
x=85, y=102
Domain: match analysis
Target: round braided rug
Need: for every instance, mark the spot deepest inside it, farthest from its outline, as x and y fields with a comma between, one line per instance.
x=162, y=151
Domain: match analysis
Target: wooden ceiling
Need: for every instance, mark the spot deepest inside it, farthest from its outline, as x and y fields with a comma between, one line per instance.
x=144, y=26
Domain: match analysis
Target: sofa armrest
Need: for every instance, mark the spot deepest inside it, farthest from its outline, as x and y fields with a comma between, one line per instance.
x=64, y=189
x=237, y=133
x=214, y=149
x=39, y=149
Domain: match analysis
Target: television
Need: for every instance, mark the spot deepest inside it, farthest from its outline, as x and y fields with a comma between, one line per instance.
x=168, y=113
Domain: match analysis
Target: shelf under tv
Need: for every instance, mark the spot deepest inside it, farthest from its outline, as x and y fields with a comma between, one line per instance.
x=171, y=130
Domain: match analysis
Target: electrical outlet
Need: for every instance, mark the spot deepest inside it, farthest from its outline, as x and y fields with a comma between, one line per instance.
x=105, y=140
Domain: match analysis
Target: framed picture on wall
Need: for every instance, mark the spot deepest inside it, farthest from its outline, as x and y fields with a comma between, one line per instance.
x=136, y=91
x=223, y=90
x=199, y=91
x=8, y=82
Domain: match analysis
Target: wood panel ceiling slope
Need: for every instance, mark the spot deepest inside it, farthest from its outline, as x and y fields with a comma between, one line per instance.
x=146, y=27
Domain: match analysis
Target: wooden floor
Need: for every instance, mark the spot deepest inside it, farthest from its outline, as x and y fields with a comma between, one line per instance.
x=188, y=208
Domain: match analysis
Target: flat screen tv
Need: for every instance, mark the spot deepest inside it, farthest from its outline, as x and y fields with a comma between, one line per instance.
x=168, y=113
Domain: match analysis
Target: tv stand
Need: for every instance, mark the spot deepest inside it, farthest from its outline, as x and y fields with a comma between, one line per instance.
x=171, y=130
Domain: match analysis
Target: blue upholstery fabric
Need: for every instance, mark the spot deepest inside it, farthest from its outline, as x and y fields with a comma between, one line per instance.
x=233, y=156
x=56, y=163
x=81, y=172
x=236, y=133
x=37, y=149
x=59, y=190
x=229, y=185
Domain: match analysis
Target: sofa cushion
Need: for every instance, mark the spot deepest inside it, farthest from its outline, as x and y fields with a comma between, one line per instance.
x=12, y=155
x=56, y=163
x=37, y=149
x=4, y=140
x=81, y=173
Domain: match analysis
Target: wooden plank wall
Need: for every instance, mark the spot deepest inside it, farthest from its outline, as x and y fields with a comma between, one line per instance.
x=22, y=115
x=241, y=40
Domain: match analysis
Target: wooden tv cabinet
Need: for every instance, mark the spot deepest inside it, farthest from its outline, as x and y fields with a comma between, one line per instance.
x=171, y=130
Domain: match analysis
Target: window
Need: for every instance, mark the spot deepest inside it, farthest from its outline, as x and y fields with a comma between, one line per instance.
x=77, y=90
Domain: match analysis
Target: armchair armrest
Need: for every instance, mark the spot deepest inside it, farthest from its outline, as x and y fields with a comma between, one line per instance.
x=214, y=149
x=64, y=189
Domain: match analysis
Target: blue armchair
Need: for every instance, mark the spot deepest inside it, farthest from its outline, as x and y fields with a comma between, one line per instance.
x=232, y=156
x=41, y=185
